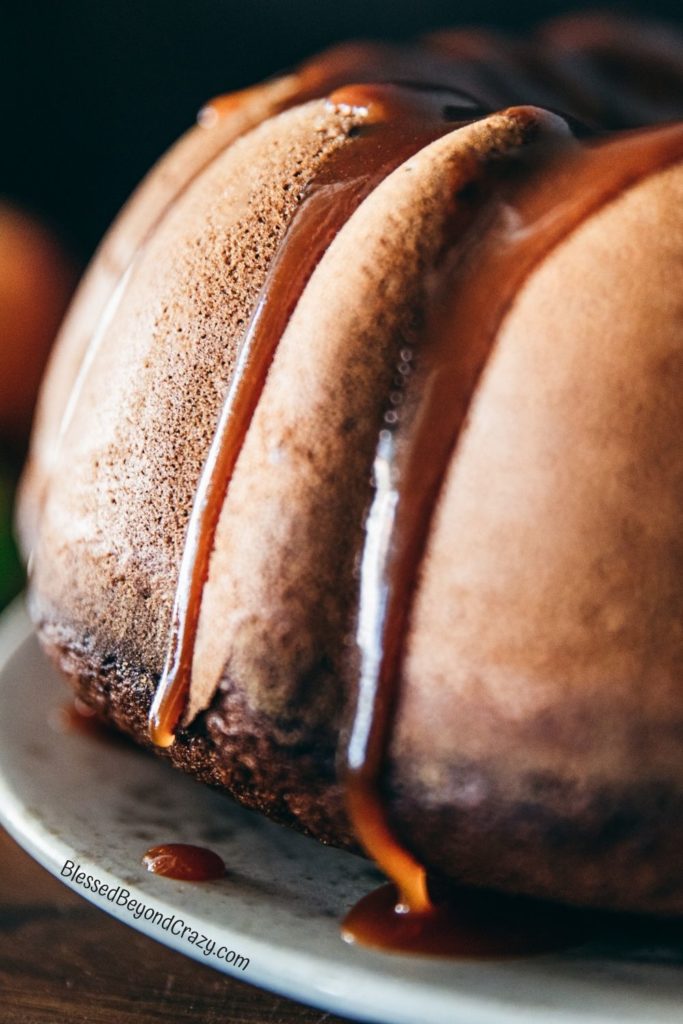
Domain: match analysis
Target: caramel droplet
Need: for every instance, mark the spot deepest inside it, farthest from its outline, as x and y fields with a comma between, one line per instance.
x=184, y=862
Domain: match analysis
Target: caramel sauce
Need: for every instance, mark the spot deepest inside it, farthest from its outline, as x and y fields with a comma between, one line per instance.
x=400, y=122
x=533, y=212
x=184, y=862
x=471, y=924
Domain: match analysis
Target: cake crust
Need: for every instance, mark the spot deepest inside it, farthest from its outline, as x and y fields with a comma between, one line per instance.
x=536, y=745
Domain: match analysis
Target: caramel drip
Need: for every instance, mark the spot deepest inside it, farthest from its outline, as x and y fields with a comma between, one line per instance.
x=184, y=862
x=532, y=211
x=400, y=122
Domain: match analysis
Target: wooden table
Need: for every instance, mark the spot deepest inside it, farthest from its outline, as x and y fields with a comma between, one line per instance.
x=63, y=960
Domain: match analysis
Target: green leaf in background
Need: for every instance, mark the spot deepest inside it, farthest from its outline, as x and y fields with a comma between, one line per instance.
x=11, y=571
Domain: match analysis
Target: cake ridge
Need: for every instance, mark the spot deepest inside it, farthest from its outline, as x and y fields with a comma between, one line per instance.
x=397, y=125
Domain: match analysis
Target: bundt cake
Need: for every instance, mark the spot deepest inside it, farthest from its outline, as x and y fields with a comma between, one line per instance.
x=356, y=485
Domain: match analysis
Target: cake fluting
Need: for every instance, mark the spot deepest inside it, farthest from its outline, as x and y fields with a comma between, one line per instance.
x=434, y=586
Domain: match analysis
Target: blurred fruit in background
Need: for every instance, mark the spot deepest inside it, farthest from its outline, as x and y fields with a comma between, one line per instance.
x=36, y=281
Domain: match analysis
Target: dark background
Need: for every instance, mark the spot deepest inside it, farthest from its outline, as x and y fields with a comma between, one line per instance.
x=93, y=91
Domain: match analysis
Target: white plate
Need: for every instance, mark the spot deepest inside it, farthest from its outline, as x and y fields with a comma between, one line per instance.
x=70, y=797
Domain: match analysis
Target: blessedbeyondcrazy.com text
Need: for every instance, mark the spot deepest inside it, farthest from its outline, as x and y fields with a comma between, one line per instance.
x=119, y=896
